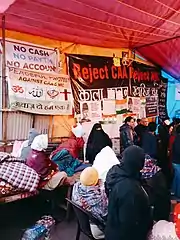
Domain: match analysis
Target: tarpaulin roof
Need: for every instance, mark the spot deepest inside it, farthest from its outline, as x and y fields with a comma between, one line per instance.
x=108, y=23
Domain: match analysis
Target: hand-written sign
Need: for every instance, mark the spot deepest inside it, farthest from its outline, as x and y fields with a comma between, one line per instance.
x=30, y=57
x=39, y=93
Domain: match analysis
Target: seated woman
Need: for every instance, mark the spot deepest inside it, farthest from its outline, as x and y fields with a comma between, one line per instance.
x=48, y=171
x=26, y=146
x=155, y=185
x=104, y=161
x=73, y=145
x=90, y=194
x=97, y=140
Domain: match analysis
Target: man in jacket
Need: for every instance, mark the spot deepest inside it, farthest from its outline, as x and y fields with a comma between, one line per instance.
x=140, y=129
x=127, y=134
x=129, y=215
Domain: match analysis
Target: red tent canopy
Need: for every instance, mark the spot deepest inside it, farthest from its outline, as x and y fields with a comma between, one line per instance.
x=150, y=27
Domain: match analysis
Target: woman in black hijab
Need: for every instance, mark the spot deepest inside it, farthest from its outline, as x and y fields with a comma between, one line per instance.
x=129, y=214
x=97, y=140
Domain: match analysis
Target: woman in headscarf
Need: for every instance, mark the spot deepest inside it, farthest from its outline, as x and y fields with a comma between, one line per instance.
x=129, y=215
x=90, y=194
x=104, y=161
x=73, y=145
x=154, y=183
x=26, y=146
x=48, y=171
x=97, y=140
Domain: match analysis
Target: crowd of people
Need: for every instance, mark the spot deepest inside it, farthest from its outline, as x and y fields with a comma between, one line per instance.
x=128, y=194
x=131, y=195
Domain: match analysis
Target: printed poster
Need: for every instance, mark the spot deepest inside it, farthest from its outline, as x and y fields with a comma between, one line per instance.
x=109, y=107
x=94, y=78
x=30, y=57
x=142, y=113
x=91, y=111
x=152, y=106
x=134, y=105
x=162, y=104
x=39, y=93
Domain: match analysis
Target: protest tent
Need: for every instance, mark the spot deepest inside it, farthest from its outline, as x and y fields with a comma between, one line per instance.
x=99, y=28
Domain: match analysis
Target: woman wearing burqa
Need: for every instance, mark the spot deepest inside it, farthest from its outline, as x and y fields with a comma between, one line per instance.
x=129, y=214
x=97, y=140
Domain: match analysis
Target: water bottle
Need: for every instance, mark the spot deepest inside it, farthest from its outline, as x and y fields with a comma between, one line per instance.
x=34, y=233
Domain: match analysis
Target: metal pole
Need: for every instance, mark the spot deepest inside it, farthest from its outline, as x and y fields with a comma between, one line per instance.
x=4, y=84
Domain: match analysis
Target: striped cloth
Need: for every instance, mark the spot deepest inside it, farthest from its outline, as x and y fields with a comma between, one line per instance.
x=16, y=173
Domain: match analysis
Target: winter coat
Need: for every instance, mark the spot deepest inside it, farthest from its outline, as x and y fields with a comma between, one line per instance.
x=129, y=215
x=128, y=137
x=176, y=150
x=140, y=130
x=39, y=161
x=150, y=144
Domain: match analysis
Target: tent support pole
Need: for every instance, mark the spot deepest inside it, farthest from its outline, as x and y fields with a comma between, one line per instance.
x=4, y=84
x=150, y=44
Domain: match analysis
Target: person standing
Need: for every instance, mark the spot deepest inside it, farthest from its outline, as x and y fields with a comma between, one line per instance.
x=97, y=140
x=149, y=141
x=128, y=136
x=164, y=136
x=176, y=163
x=129, y=214
x=140, y=129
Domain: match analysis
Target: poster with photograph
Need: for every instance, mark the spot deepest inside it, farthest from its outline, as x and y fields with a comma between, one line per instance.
x=91, y=111
x=134, y=105
x=142, y=113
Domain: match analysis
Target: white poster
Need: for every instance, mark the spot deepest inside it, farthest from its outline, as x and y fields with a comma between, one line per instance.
x=39, y=93
x=177, y=92
x=134, y=105
x=109, y=107
x=91, y=111
x=31, y=58
x=143, y=108
x=118, y=93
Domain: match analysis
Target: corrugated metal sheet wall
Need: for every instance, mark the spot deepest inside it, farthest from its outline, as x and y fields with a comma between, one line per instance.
x=18, y=125
x=42, y=124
